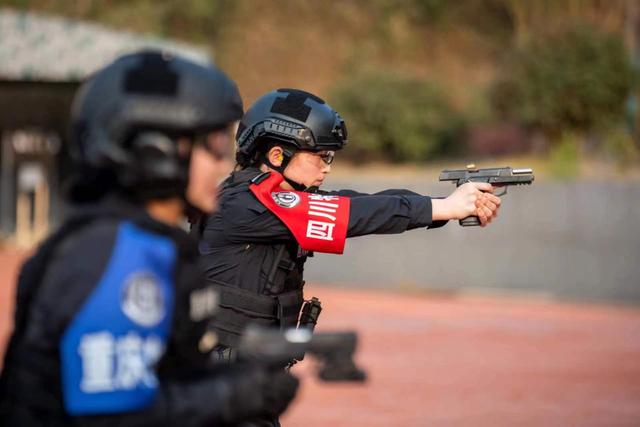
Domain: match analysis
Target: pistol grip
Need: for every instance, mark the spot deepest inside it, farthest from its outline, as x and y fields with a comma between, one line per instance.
x=470, y=221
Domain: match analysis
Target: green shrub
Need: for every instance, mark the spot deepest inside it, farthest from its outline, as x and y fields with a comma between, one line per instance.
x=565, y=157
x=394, y=118
x=620, y=147
x=574, y=79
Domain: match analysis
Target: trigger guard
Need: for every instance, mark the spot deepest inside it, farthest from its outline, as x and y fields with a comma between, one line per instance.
x=504, y=191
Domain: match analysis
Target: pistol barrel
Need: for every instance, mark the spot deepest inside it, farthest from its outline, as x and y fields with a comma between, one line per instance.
x=522, y=171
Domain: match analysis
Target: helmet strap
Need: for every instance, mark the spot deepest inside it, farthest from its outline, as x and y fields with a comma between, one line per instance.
x=296, y=185
x=287, y=155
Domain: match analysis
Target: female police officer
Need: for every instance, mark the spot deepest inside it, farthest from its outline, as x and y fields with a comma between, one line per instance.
x=111, y=317
x=272, y=215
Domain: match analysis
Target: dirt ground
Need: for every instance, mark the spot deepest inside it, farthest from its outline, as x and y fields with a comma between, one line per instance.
x=464, y=361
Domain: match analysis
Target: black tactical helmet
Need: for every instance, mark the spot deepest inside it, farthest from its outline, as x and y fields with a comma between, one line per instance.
x=128, y=116
x=293, y=117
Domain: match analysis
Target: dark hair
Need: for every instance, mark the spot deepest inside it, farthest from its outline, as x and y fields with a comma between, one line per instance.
x=258, y=157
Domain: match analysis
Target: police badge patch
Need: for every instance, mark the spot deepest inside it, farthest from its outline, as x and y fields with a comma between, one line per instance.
x=142, y=299
x=286, y=199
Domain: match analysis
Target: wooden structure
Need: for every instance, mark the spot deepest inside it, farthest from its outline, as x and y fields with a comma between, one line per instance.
x=42, y=62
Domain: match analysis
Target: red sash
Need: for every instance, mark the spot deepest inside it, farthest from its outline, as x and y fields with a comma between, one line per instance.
x=318, y=222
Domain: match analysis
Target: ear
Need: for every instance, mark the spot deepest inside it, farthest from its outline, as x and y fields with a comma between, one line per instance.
x=276, y=156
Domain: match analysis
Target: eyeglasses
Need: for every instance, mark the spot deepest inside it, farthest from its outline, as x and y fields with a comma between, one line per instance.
x=327, y=157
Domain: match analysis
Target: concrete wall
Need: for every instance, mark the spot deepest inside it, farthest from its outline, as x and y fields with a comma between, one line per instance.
x=568, y=240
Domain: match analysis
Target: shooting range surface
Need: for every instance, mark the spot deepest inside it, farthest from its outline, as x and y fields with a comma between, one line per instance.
x=438, y=360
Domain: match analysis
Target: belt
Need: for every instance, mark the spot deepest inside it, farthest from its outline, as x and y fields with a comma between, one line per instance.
x=239, y=308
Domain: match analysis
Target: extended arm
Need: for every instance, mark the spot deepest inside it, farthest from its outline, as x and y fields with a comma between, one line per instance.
x=244, y=219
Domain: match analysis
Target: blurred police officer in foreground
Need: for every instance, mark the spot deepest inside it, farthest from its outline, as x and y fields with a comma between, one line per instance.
x=272, y=214
x=110, y=325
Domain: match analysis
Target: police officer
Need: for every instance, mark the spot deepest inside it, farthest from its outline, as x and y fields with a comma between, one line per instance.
x=110, y=325
x=273, y=216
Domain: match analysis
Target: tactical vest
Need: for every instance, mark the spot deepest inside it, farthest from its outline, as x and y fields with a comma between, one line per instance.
x=279, y=302
x=30, y=382
x=280, y=299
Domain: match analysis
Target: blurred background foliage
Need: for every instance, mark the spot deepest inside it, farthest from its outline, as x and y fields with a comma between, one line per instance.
x=397, y=118
x=575, y=77
x=423, y=79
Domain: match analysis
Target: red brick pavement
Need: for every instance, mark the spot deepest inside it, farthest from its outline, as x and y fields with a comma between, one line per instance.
x=479, y=362
x=437, y=361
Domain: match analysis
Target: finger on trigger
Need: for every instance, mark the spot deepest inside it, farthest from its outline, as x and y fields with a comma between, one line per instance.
x=484, y=186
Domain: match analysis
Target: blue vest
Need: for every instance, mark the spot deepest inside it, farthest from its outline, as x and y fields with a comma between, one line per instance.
x=111, y=346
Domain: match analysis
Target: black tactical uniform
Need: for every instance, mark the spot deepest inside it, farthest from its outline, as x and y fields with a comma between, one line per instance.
x=111, y=313
x=257, y=264
x=78, y=263
x=250, y=255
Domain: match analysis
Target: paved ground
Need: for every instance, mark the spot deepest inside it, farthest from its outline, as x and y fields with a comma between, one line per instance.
x=455, y=361
x=480, y=362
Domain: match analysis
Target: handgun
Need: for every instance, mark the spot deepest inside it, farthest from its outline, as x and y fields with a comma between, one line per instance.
x=498, y=177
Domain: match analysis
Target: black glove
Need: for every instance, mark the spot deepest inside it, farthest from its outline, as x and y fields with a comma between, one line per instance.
x=279, y=390
x=256, y=392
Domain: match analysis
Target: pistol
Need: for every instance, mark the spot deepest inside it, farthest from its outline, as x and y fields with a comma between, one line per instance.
x=275, y=349
x=498, y=177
